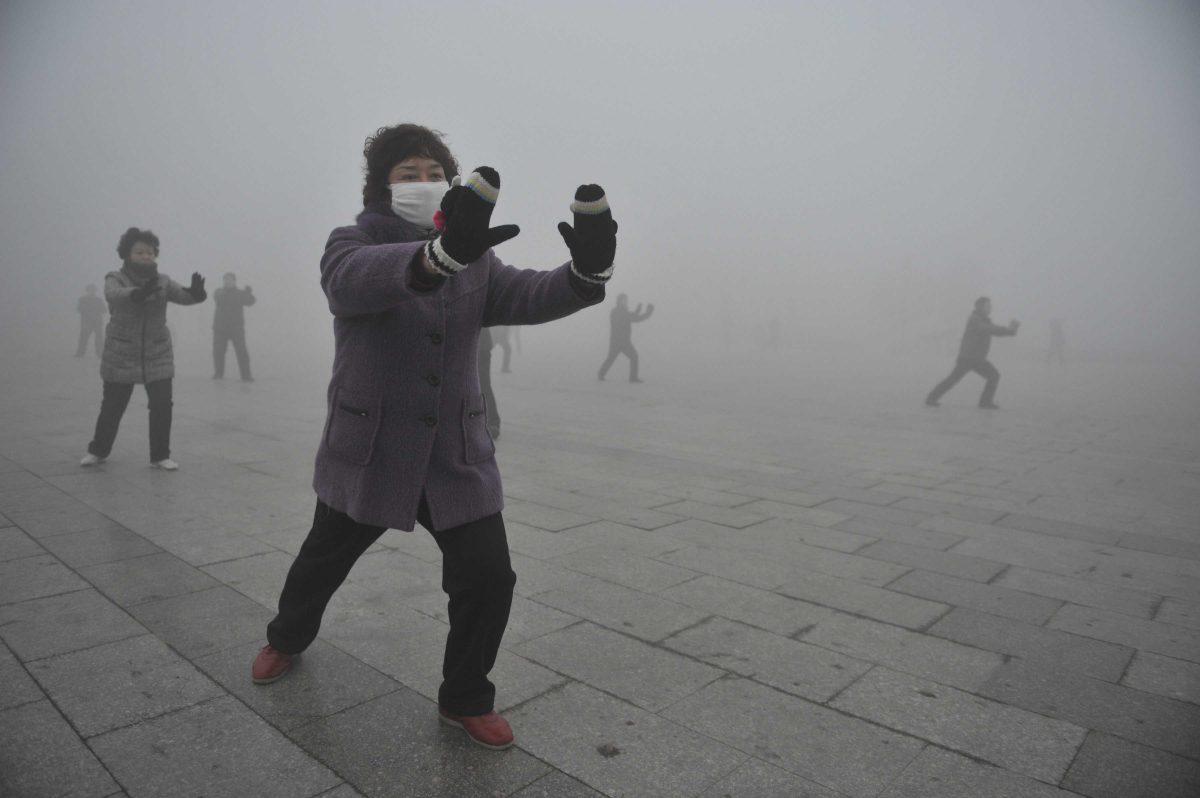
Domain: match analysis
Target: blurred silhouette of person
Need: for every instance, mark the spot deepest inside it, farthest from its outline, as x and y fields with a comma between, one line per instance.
x=137, y=345
x=91, y=320
x=500, y=336
x=620, y=340
x=1058, y=343
x=973, y=352
x=229, y=326
x=491, y=411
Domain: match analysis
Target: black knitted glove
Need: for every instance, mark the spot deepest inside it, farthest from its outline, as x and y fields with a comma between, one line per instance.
x=196, y=289
x=463, y=221
x=143, y=292
x=593, y=239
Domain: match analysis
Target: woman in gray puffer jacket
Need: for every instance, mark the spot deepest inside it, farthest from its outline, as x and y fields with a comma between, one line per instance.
x=137, y=345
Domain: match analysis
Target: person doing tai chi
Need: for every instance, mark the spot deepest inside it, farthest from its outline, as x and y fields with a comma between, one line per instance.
x=229, y=326
x=91, y=320
x=620, y=339
x=410, y=286
x=973, y=352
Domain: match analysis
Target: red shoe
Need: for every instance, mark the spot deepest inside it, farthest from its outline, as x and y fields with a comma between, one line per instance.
x=270, y=665
x=490, y=730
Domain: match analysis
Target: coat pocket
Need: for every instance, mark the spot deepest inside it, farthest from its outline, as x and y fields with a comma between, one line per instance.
x=478, y=444
x=354, y=420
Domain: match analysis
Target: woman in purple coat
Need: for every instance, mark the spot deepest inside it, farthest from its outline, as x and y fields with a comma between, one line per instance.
x=406, y=441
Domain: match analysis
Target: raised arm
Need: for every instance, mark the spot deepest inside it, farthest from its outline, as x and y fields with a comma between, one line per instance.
x=192, y=295
x=118, y=294
x=529, y=296
x=248, y=298
x=644, y=316
x=361, y=278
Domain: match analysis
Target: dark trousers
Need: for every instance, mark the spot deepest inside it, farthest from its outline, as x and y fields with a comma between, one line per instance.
x=112, y=408
x=477, y=576
x=221, y=341
x=981, y=367
x=88, y=329
x=617, y=348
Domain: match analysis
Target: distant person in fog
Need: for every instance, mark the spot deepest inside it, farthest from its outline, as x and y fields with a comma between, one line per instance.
x=91, y=320
x=1058, y=343
x=137, y=345
x=411, y=286
x=229, y=326
x=500, y=336
x=620, y=341
x=485, y=381
x=973, y=352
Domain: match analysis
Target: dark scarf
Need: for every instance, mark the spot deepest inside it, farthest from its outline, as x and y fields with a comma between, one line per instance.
x=141, y=273
x=384, y=227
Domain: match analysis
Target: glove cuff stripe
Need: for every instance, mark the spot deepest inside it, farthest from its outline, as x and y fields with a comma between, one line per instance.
x=599, y=278
x=442, y=263
x=485, y=190
x=592, y=207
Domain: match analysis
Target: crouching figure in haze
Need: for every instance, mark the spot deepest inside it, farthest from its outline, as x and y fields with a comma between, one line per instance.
x=137, y=345
x=973, y=352
x=410, y=287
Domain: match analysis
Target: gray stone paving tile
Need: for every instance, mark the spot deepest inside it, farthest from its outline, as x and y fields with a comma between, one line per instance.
x=341, y=791
x=748, y=567
x=1095, y=658
x=75, y=517
x=793, y=667
x=800, y=497
x=322, y=682
x=966, y=510
x=40, y=755
x=142, y=579
x=985, y=598
x=1160, y=638
x=202, y=623
x=557, y=784
x=1175, y=678
x=704, y=533
x=1080, y=591
x=716, y=498
x=78, y=549
x=542, y=517
x=858, y=510
x=918, y=654
x=938, y=773
x=809, y=740
x=58, y=624
x=1007, y=736
x=624, y=568
x=736, y=517
x=910, y=535
x=217, y=748
x=618, y=748
x=812, y=516
x=787, y=530
x=1133, y=714
x=640, y=614
x=205, y=546
x=15, y=544
x=647, y=676
x=862, y=599
x=259, y=577
x=526, y=619
x=36, y=577
x=942, y=562
x=647, y=543
x=16, y=685
x=396, y=746
x=537, y=576
x=1180, y=613
x=539, y=543
x=757, y=779
x=1157, y=544
x=1063, y=529
x=761, y=608
x=116, y=684
x=1109, y=767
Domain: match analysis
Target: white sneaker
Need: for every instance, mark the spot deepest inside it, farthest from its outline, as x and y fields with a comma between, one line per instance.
x=166, y=465
x=90, y=459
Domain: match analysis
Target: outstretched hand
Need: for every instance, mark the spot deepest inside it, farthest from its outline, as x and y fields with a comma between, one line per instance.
x=142, y=293
x=464, y=221
x=593, y=238
x=196, y=289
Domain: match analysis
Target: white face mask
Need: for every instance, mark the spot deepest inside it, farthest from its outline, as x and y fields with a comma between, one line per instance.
x=417, y=202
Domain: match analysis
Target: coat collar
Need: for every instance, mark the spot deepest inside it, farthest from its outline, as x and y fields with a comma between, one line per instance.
x=384, y=227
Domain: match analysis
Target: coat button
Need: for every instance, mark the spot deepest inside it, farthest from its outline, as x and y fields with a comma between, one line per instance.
x=429, y=421
x=433, y=380
x=436, y=337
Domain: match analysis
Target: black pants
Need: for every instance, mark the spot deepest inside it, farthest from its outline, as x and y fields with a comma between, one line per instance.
x=88, y=329
x=477, y=576
x=981, y=367
x=617, y=348
x=112, y=408
x=221, y=341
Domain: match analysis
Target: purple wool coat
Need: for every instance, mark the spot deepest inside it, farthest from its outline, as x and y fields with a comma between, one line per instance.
x=405, y=413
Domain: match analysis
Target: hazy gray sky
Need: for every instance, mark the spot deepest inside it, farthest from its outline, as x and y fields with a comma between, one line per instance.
x=860, y=170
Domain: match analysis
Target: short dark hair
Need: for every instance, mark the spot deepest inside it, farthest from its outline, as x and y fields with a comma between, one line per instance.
x=979, y=302
x=391, y=145
x=133, y=236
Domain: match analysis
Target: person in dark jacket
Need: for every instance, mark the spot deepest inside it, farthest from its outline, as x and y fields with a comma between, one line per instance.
x=410, y=286
x=229, y=326
x=620, y=341
x=137, y=345
x=973, y=352
x=91, y=320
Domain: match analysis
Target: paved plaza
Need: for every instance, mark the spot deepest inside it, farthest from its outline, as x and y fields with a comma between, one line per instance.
x=727, y=586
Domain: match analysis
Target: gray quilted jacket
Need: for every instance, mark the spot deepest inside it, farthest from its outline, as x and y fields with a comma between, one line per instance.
x=137, y=343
